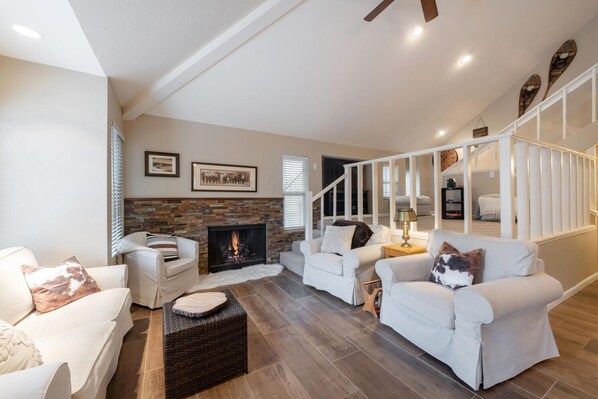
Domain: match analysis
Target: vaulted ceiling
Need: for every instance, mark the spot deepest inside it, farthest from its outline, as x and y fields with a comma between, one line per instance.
x=314, y=68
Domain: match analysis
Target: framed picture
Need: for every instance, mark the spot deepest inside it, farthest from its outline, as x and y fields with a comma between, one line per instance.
x=162, y=164
x=218, y=177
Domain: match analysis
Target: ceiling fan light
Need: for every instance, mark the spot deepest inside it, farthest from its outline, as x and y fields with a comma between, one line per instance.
x=417, y=31
x=27, y=32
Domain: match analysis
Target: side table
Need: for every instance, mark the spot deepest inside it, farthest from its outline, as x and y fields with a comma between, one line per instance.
x=394, y=250
x=200, y=351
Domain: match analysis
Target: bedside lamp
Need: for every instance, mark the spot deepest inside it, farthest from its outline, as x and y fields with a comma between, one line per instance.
x=406, y=216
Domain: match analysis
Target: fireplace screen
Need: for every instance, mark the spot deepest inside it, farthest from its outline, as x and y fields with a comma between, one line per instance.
x=234, y=247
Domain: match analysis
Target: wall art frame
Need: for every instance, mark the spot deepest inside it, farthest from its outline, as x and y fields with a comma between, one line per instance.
x=223, y=177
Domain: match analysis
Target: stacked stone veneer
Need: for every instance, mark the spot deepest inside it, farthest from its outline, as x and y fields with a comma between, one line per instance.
x=190, y=218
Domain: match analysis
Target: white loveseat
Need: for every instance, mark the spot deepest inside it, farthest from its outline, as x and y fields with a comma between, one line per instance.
x=342, y=275
x=79, y=343
x=488, y=332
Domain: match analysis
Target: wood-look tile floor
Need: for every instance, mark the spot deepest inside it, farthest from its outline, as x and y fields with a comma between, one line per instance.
x=305, y=343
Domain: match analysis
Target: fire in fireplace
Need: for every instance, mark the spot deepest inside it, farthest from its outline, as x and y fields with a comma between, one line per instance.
x=234, y=247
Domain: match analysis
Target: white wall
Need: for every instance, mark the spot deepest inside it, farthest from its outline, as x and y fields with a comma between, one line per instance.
x=53, y=162
x=197, y=142
x=504, y=110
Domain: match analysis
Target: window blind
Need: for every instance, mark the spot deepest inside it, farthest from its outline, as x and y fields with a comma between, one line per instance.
x=294, y=186
x=386, y=181
x=116, y=168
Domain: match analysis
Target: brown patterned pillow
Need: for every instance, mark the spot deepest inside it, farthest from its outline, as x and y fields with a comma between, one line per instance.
x=54, y=287
x=454, y=269
x=362, y=232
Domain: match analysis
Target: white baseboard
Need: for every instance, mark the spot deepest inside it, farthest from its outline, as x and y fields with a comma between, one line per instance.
x=573, y=290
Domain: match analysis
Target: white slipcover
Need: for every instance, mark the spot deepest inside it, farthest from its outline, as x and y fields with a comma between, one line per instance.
x=86, y=334
x=340, y=275
x=488, y=332
x=153, y=281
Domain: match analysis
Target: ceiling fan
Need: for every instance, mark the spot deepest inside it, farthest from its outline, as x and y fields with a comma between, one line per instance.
x=428, y=6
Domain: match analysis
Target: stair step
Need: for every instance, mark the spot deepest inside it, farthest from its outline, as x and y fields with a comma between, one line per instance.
x=292, y=261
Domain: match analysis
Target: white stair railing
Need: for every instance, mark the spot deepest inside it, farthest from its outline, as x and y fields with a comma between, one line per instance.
x=555, y=187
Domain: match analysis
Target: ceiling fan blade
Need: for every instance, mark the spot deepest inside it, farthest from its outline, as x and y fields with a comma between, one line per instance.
x=378, y=10
x=430, y=9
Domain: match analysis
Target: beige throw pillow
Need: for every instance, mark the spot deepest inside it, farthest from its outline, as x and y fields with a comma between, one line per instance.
x=17, y=351
x=337, y=240
x=54, y=287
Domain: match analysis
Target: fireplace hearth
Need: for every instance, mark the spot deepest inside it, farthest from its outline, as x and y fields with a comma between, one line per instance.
x=234, y=247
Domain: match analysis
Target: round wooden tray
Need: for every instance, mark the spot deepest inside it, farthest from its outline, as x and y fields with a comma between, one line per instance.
x=199, y=305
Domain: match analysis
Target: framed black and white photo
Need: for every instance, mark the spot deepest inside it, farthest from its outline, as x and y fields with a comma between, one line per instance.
x=162, y=164
x=219, y=177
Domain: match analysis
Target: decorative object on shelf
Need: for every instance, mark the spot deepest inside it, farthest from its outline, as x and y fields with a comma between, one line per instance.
x=199, y=305
x=161, y=164
x=220, y=177
x=528, y=92
x=451, y=183
x=406, y=216
x=560, y=62
x=480, y=131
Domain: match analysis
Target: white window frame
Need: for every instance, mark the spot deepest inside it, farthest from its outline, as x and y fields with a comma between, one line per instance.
x=386, y=180
x=301, y=194
x=117, y=226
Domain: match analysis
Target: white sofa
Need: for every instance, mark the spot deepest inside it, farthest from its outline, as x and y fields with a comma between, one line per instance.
x=153, y=281
x=342, y=275
x=488, y=332
x=79, y=343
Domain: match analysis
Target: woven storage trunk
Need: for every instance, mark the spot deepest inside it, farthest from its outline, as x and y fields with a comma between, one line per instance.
x=199, y=352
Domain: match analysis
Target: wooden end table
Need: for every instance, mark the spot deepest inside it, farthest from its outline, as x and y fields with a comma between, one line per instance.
x=394, y=250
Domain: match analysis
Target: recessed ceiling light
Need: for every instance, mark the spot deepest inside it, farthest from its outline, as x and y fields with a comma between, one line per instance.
x=28, y=32
x=465, y=59
x=441, y=133
x=417, y=31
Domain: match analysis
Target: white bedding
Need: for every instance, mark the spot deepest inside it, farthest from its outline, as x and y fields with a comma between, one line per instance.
x=490, y=207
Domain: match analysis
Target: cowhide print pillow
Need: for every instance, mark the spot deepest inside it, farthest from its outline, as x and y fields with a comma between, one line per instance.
x=54, y=287
x=454, y=269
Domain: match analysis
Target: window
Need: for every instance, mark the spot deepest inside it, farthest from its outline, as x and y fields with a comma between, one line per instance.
x=294, y=186
x=116, y=169
x=386, y=181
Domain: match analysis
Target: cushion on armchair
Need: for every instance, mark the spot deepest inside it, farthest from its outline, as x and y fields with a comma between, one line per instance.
x=361, y=235
x=337, y=240
x=454, y=269
x=165, y=244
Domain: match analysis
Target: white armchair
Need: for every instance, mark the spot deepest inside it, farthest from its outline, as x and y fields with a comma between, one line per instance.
x=341, y=275
x=153, y=281
x=488, y=332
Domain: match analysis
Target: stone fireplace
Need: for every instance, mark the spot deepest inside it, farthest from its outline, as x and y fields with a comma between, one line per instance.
x=237, y=246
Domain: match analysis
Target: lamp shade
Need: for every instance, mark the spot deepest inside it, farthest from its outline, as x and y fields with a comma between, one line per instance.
x=405, y=215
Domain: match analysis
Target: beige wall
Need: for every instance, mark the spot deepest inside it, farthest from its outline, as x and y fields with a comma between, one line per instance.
x=504, y=110
x=53, y=162
x=572, y=259
x=197, y=142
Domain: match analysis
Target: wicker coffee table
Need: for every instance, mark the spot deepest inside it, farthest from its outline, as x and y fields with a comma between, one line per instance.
x=199, y=352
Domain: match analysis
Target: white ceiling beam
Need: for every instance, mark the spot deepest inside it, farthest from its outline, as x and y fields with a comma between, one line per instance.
x=258, y=20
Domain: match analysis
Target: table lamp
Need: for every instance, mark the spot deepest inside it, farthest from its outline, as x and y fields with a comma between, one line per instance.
x=406, y=216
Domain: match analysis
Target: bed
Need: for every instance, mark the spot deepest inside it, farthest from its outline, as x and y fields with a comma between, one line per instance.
x=490, y=207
